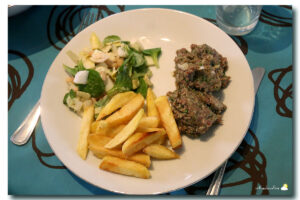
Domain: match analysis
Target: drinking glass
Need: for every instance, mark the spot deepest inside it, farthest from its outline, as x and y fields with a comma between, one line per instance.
x=238, y=19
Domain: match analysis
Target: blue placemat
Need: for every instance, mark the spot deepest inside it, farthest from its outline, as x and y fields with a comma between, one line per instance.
x=260, y=166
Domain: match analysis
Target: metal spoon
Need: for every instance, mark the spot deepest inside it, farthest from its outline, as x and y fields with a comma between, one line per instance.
x=23, y=133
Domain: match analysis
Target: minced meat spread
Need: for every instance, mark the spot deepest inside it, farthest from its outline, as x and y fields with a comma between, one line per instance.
x=199, y=74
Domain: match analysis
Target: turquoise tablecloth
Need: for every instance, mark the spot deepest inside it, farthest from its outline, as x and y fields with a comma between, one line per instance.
x=260, y=166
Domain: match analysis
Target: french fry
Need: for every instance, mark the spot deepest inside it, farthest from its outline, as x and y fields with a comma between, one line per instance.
x=115, y=103
x=160, y=152
x=148, y=130
x=125, y=167
x=87, y=118
x=96, y=145
x=138, y=141
x=97, y=140
x=127, y=131
x=94, y=126
x=125, y=114
x=112, y=132
x=141, y=158
x=151, y=108
x=98, y=129
x=108, y=131
x=168, y=121
x=149, y=122
x=162, y=140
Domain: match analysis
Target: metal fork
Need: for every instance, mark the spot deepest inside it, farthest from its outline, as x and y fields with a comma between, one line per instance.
x=24, y=131
x=87, y=19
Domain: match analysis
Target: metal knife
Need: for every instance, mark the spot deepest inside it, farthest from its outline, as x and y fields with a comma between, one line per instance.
x=214, y=187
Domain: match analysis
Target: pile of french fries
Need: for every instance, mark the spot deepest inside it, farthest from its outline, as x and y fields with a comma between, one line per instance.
x=126, y=137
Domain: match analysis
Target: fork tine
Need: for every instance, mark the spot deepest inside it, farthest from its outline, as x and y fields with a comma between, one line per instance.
x=82, y=21
x=87, y=19
x=86, y=23
x=92, y=19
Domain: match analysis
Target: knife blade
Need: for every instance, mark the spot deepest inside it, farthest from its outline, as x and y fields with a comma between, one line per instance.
x=258, y=74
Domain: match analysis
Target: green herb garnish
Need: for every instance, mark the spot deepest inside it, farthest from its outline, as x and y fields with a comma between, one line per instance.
x=95, y=85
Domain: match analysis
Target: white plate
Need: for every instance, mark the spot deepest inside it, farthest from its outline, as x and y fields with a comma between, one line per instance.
x=170, y=30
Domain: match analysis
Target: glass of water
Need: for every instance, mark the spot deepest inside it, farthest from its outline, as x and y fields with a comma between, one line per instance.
x=238, y=19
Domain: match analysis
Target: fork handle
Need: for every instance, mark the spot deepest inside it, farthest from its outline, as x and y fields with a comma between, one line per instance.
x=215, y=185
x=23, y=133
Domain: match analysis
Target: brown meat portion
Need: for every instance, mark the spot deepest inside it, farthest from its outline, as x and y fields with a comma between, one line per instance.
x=215, y=104
x=206, y=69
x=199, y=73
x=192, y=116
x=199, y=78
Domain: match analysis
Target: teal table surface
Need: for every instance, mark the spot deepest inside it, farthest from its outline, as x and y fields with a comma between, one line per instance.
x=260, y=166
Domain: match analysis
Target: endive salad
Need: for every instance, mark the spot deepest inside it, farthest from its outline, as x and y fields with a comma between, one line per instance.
x=106, y=68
